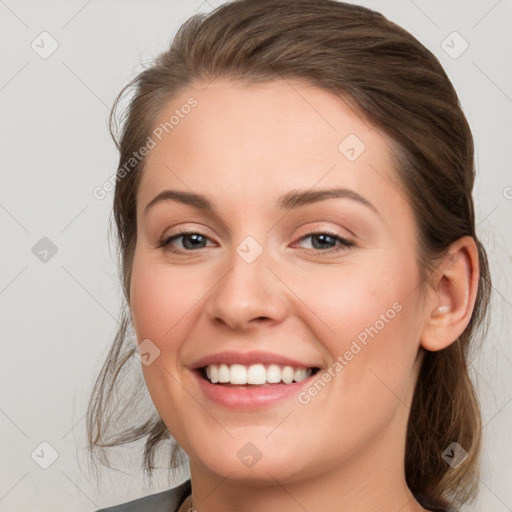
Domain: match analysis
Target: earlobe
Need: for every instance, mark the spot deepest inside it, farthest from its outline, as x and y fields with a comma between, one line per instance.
x=450, y=306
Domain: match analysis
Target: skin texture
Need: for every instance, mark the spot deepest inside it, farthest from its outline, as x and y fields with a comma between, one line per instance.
x=243, y=146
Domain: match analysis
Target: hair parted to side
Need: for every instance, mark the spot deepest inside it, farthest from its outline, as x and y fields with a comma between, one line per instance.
x=396, y=83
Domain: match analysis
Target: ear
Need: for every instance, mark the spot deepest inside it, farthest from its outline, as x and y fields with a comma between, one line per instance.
x=451, y=303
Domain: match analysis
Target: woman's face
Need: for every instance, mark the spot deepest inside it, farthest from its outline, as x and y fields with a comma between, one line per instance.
x=300, y=254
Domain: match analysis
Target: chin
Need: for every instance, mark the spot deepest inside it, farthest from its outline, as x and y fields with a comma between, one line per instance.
x=249, y=456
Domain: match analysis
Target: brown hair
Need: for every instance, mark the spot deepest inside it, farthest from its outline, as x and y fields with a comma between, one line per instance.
x=396, y=83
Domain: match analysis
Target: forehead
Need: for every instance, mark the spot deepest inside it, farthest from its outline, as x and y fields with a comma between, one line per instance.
x=285, y=134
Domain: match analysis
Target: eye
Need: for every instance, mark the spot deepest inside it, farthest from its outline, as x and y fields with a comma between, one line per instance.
x=325, y=241
x=189, y=241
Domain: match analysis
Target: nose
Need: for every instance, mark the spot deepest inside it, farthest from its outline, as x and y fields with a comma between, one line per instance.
x=247, y=296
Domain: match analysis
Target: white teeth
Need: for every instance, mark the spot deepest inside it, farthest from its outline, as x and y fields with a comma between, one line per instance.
x=223, y=373
x=255, y=374
x=214, y=374
x=300, y=374
x=237, y=374
x=273, y=374
x=287, y=374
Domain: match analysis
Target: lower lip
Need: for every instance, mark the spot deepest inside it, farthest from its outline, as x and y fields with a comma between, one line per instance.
x=249, y=397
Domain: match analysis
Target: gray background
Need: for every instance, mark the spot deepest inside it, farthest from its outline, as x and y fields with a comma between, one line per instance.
x=59, y=310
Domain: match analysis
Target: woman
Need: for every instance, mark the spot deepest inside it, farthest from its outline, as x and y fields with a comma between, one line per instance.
x=300, y=265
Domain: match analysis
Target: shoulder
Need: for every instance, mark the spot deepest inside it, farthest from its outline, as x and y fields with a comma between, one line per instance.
x=165, y=501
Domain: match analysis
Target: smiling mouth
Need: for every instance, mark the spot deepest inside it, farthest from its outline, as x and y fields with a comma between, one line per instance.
x=254, y=375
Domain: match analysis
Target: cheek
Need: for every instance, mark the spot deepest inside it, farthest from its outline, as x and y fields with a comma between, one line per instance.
x=373, y=340
x=161, y=298
x=370, y=318
x=350, y=298
x=163, y=301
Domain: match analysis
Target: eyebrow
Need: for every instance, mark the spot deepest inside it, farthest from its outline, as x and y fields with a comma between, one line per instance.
x=291, y=200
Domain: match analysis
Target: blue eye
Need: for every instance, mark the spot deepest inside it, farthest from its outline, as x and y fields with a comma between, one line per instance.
x=324, y=241
x=321, y=242
x=189, y=240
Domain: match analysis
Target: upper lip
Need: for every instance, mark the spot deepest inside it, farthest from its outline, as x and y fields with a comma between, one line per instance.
x=248, y=358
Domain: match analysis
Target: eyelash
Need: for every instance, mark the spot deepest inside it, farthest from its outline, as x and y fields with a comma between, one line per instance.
x=344, y=244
